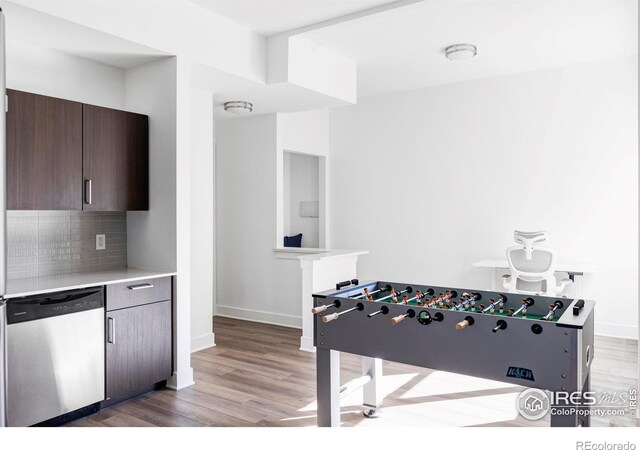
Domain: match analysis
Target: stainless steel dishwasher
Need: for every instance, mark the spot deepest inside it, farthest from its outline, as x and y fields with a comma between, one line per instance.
x=55, y=355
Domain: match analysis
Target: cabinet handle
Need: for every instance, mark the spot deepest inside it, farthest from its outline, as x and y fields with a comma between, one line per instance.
x=140, y=286
x=111, y=331
x=87, y=192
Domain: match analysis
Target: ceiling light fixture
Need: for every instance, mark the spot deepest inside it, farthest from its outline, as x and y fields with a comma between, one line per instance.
x=458, y=52
x=237, y=107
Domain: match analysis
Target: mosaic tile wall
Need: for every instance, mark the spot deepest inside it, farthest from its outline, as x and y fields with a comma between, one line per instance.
x=43, y=243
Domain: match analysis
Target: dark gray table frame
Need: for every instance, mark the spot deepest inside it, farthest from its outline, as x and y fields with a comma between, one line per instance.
x=560, y=357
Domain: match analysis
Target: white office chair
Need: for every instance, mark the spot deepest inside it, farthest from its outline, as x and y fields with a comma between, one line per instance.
x=532, y=266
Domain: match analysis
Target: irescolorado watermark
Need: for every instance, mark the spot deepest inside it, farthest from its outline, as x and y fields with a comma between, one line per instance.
x=590, y=445
x=534, y=404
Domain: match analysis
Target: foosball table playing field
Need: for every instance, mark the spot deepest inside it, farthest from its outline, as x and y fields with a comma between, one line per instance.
x=533, y=341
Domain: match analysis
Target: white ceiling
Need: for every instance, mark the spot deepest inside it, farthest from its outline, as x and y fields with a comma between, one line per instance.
x=269, y=17
x=266, y=98
x=402, y=48
x=35, y=27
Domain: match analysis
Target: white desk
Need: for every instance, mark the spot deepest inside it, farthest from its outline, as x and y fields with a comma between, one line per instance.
x=577, y=269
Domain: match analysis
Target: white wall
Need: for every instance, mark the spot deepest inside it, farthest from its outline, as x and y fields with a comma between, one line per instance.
x=36, y=69
x=317, y=68
x=306, y=133
x=251, y=282
x=303, y=186
x=444, y=175
x=202, y=219
x=176, y=27
x=160, y=238
x=286, y=192
x=151, y=90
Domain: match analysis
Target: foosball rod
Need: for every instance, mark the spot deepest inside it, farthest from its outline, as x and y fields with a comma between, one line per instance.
x=329, y=317
x=500, y=325
x=366, y=292
x=552, y=310
x=448, y=295
x=321, y=308
x=468, y=299
x=383, y=310
x=493, y=304
x=526, y=302
x=419, y=296
x=394, y=294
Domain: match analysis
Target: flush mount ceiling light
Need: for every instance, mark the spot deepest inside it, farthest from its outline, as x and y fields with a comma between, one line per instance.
x=458, y=52
x=238, y=107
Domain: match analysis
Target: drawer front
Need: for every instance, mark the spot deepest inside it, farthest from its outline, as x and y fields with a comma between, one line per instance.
x=136, y=293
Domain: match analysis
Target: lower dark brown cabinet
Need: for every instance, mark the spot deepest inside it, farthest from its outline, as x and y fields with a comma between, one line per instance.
x=138, y=348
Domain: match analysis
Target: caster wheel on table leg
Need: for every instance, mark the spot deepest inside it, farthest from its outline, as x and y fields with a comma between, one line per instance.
x=372, y=413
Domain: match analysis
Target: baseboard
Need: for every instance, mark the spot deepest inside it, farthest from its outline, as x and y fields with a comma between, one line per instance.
x=180, y=380
x=201, y=342
x=259, y=316
x=306, y=344
x=616, y=331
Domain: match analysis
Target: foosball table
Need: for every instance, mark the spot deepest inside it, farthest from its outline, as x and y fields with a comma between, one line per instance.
x=533, y=341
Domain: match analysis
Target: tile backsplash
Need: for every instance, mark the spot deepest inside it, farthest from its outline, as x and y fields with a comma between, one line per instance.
x=43, y=243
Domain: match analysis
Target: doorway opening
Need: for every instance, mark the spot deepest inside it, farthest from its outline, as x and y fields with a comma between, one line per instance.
x=301, y=205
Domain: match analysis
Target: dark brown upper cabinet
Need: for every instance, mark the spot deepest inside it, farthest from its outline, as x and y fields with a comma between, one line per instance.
x=44, y=152
x=64, y=155
x=115, y=160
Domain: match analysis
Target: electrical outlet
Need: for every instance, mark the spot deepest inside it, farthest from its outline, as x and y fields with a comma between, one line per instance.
x=101, y=242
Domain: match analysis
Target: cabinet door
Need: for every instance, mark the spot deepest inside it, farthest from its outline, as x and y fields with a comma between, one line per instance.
x=138, y=347
x=115, y=160
x=44, y=152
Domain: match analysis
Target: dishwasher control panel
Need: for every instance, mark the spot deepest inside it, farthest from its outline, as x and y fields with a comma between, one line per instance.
x=54, y=304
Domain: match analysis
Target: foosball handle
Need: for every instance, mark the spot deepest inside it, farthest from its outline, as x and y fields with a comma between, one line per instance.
x=397, y=319
x=329, y=317
x=468, y=321
x=319, y=309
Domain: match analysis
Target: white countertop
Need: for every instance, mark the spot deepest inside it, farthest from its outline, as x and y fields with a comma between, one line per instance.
x=332, y=254
x=560, y=267
x=314, y=254
x=305, y=250
x=41, y=285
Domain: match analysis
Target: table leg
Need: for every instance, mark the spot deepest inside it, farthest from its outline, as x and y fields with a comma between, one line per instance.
x=576, y=419
x=372, y=396
x=328, y=387
x=585, y=419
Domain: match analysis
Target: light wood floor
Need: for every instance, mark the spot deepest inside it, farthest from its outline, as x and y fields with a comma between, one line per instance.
x=256, y=376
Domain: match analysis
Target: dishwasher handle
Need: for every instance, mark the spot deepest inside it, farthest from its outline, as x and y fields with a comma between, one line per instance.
x=111, y=330
x=67, y=297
